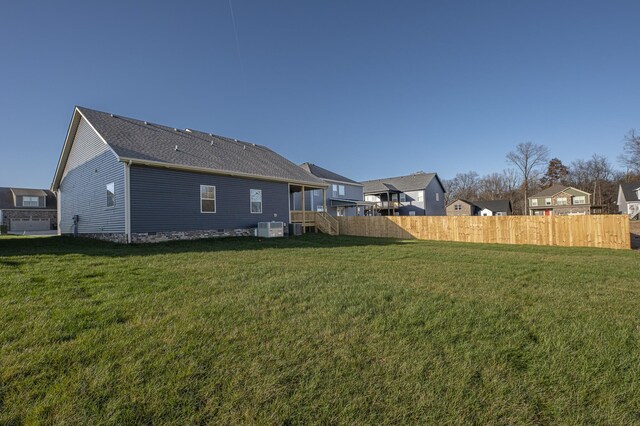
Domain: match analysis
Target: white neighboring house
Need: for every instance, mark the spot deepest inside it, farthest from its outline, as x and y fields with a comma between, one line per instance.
x=629, y=199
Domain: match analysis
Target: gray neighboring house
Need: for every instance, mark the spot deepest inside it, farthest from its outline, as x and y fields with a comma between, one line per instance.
x=27, y=209
x=344, y=197
x=418, y=194
x=129, y=180
x=461, y=207
x=629, y=199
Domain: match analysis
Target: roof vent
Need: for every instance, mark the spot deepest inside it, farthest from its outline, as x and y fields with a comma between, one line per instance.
x=188, y=130
x=146, y=123
x=235, y=140
x=176, y=147
x=112, y=115
x=211, y=143
x=175, y=130
x=211, y=134
x=253, y=144
x=244, y=147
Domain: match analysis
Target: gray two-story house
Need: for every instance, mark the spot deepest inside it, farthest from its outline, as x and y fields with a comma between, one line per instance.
x=560, y=200
x=418, y=194
x=629, y=199
x=129, y=180
x=344, y=196
x=27, y=210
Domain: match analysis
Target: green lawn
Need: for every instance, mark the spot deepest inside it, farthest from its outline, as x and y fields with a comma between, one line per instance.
x=317, y=329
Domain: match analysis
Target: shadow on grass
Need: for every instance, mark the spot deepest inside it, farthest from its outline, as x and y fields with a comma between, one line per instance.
x=22, y=246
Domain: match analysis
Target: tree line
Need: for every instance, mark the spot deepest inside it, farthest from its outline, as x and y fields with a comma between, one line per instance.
x=530, y=169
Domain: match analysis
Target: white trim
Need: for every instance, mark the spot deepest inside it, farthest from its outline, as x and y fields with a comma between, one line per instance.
x=58, y=215
x=127, y=201
x=215, y=199
x=251, y=201
x=340, y=181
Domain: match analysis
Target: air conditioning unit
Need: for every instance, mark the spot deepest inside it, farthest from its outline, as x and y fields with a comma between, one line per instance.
x=270, y=229
x=295, y=229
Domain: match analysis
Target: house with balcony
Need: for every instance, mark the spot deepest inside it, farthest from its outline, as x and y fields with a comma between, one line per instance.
x=343, y=196
x=561, y=200
x=418, y=194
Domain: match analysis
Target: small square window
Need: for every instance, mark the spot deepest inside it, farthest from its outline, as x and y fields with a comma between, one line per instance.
x=437, y=196
x=111, y=194
x=403, y=197
x=457, y=207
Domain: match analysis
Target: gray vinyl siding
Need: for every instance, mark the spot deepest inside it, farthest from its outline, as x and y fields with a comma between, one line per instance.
x=434, y=207
x=412, y=204
x=312, y=202
x=90, y=167
x=164, y=200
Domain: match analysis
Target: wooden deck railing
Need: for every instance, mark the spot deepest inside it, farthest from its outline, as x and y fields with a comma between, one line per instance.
x=320, y=220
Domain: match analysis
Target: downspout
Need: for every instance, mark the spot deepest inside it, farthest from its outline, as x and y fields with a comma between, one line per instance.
x=127, y=200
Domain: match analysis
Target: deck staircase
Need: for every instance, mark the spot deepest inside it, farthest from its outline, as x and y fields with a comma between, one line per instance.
x=327, y=224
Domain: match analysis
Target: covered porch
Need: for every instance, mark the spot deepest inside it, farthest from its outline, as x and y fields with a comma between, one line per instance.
x=302, y=212
x=387, y=205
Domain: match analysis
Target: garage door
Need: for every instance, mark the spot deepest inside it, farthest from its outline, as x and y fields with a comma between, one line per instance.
x=18, y=225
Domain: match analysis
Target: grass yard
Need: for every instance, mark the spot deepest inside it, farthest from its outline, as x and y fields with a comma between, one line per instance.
x=317, y=329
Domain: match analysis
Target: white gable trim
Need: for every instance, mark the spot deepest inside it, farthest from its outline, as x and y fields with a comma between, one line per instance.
x=68, y=143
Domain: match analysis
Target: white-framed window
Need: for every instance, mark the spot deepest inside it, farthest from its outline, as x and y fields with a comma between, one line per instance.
x=547, y=201
x=207, y=199
x=319, y=208
x=437, y=196
x=371, y=198
x=580, y=199
x=111, y=194
x=394, y=197
x=30, y=202
x=412, y=213
x=561, y=201
x=317, y=192
x=403, y=197
x=457, y=206
x=255, y=196
x=534, y=201
x=334, y=189
x=420, y=196
x=340, y=189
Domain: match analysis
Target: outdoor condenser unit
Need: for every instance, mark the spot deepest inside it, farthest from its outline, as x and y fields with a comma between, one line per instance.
x=270, y=229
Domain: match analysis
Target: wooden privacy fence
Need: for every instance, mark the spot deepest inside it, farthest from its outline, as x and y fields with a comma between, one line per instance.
x=604, y=231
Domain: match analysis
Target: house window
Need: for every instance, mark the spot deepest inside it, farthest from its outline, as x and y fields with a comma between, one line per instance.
x=207, y=199
x=334, y=187
x=579, y=200
x=371, y=198
x=340, y=189
x=534, y=202
x=403, y=197
x=437, y=196
x=457, y=207
x=561, y=201
x=547, y=201
x=30, y=202
x=111, y=194
x=317, y=192
x=420, y=196
x=256, y=200
x=412, y=213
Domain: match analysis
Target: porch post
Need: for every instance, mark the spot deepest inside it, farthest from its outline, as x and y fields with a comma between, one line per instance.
x=303, y=224
x=324, y=200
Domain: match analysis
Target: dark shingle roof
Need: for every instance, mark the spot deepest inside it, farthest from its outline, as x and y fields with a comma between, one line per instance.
x=412, y=182
x=322, y=173
x=6, y=197
x=494, y=205
x=629, y=191
x=138, y=140
x=552, y=190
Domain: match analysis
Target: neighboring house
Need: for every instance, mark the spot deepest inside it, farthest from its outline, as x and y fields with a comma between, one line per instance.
x=560, y=200
x=129, y=180
x=629, y=199
x=344, y=197
x=23, y=209
x=462, y=207
x=419, y=194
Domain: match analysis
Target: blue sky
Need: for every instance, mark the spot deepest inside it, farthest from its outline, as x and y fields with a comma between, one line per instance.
x=365, y=88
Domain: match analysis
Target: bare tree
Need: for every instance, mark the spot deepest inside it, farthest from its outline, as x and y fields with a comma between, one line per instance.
x=463, y=185
x=631, y=157
x=526, y=158
x=595, y=176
